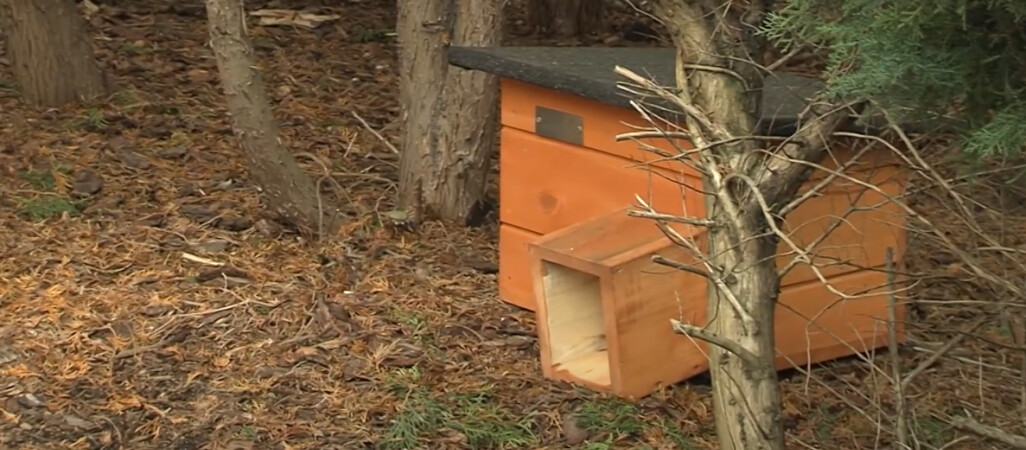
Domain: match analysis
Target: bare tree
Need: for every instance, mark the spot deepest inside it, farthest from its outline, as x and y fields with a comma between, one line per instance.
x=49, y=47
x=749, y=186
x=289, y=190
x=565, y=18
x=449, y=114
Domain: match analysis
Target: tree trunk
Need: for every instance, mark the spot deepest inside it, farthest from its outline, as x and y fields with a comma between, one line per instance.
x=449, y=115
x=48, y=44
x=718, y=75
x=565, y=18
x=746, y=395
x=290, y=191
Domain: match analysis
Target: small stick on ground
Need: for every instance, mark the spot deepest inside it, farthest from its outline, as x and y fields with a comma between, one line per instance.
x=375, y=133
x=1018, y=327
x=989, y=432
x=936, y=356
x=901, y=425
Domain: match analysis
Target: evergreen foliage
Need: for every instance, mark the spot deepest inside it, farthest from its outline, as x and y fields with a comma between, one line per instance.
x=923, y=60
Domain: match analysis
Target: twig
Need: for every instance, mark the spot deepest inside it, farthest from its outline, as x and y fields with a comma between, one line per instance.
x=720, y=70
x=688, y=108
x=645, y=134
x=680, y=266
x=201, y=260
x=696, y=221
x=800, y=254
x=137, y=350
x=728, y=345
x=949, y=244
x=375, y=133
x=989, y=432
x=1018, y=327
x=783, y=60
x=941, y=352
x=901, y=433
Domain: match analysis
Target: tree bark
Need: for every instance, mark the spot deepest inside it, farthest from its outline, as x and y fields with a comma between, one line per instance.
x=449, y=115
x=565, y=18
x=52, y=60
x=718, y=58
x=289, y=190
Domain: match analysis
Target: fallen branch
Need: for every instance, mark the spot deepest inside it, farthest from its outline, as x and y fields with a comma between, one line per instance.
x=936, y=356
x=375, y=133
x=989, y=432
x=201, y=260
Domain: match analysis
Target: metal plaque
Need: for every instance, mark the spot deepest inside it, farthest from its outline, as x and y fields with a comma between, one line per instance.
x=558, y=125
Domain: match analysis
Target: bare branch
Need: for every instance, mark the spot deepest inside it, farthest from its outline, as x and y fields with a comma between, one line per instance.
x=989, y=432
x=693, y=112
x=698, y=222
x=958, y=250
x=680, y=266
x=802, y=256
x=783, y=60
x=714, y=275
x=826, y=181
x=653, y=134
x=388, y=144
x=780, y=178
x=892, y=342
x=711, y=171
x=823, y=236
x=730, y=346
x=721, y=70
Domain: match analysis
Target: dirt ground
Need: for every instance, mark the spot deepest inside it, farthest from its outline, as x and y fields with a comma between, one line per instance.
x=119, y=331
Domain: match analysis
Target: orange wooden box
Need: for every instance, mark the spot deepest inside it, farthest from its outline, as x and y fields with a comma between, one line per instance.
x=546, y=185
x=568, y=251
x=604, y=309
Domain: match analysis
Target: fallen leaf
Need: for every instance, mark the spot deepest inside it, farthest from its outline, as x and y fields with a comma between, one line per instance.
x=239, y=445
x=199, y=76
x=78, y=422
x=953, y=269
x=572, y=432
x=234, y=223
x=30, y=401
x=270, y=17
x=222, y=272
x=126, y=402
x=307, y=352
x=133, y=160
x=175, y=152
x=330, y=345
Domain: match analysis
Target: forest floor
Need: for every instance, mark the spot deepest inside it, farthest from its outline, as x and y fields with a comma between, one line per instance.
x=117, y=329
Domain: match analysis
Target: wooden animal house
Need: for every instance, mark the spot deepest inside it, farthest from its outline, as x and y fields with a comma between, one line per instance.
x=569, y=252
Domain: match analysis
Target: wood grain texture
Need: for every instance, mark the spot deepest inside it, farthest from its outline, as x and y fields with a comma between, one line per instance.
x=546, y=185
x=514, y=277
x=602, y=122
x=633, y=300
x=533, y=204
